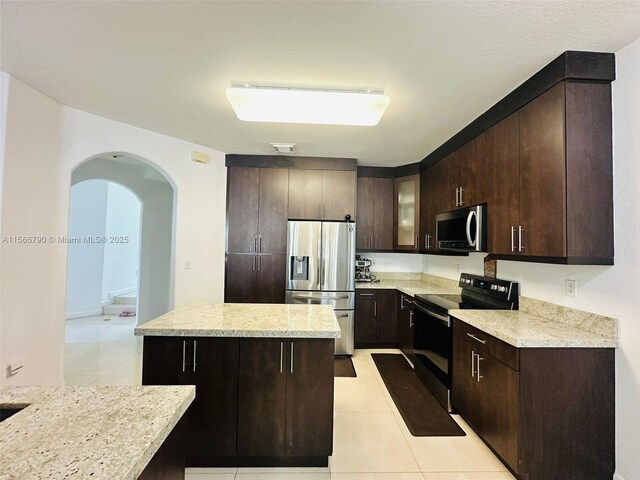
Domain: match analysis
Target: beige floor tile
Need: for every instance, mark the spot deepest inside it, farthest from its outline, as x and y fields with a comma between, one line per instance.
x=245, y=470
x=361, y=364
x=80, y=380
x=468, y=476
x=376, y=476
x=100, y=363
x=209, y=476
x=198, y=470
x=451, y=454
x=283, y=476
x=359, y=395
x=370, y=442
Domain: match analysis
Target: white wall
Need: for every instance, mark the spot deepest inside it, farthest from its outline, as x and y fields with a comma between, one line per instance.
x=44, y=143
x=85, y=261
x=120, y=272
x=394, y=262
x=156, y=230
x=35, y=192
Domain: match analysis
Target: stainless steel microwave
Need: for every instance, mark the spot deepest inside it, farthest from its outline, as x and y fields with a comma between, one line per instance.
x=463, y=230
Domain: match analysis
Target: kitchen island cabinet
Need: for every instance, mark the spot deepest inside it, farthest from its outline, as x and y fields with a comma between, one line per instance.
x=259, y=401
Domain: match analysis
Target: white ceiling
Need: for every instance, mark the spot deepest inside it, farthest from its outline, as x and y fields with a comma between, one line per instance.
x=164, y=66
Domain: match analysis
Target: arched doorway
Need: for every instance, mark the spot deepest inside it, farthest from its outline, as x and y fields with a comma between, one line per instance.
x=106, y=352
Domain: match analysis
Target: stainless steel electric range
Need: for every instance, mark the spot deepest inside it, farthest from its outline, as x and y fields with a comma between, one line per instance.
x=433, y=335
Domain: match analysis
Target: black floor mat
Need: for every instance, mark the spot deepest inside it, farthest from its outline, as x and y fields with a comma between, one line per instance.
x=422, y=413
x=343, y=367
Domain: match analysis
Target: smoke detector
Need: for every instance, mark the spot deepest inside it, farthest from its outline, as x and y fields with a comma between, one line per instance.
x=284, y=147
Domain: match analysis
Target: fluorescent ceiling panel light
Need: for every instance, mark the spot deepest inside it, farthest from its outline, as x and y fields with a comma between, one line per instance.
x=323, y=107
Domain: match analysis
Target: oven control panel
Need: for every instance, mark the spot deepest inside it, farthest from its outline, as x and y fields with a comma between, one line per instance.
x=503, y=289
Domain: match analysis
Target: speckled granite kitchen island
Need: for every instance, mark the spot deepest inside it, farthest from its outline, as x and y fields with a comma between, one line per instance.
x=263, y=375
x=89, y=432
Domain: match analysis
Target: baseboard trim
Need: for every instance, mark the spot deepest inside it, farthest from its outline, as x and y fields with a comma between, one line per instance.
x=86, y=313
x=122, y=291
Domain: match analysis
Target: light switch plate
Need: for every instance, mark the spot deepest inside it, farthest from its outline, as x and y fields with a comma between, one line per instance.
x=571, y=288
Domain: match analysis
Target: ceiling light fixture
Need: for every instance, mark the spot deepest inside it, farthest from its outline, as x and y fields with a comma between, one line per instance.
x=323, y=107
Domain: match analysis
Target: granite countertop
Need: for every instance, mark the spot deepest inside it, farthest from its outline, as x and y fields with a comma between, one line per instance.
x=410, y=287
x=108, y=433
x=245, y=320
x=522, y=329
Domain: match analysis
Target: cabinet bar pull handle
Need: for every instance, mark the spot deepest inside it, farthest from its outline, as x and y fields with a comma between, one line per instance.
x=292, y=356
x=478, y=376
x=375, y=309
x=473, y=363
x=411, y=319
x=513, y=243
x=461, y=191
x=259, y=264
x=366, y=294
x=195, y=349
x=281, y=355
x=520, y=238
x=324, y=211
x=476, y=338
x=253, y=264
x=184, y=353
x=457, y=197
x=376, y=244
x=401, y=302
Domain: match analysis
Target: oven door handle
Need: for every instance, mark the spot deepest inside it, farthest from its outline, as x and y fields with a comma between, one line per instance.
x=442, y=318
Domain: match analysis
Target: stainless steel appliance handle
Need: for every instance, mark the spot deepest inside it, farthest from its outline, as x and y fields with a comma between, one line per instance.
x=443, y=319
x=255, y=244
x=291, y=356
x=195, y=349
x=476, y=338
x=344, y=315
x=184, y=355
x=281, y=355
x=472, y=243
x=311, y=297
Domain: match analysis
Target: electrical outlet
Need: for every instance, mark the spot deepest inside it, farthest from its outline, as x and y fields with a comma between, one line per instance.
x=459, y=268
x=427, y=264
x=571, y=288
x=187, y=265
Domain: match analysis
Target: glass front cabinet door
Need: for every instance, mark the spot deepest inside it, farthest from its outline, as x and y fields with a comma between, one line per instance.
x=407, y=212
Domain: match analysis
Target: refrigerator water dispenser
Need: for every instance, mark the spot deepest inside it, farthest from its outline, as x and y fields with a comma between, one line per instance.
x=299, y=268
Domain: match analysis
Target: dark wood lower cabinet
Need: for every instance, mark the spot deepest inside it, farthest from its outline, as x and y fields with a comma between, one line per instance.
x=376, y=318
x=285, y=398
x=211, y=364
x=548, y=413
x=405, y=323
x=259, y=401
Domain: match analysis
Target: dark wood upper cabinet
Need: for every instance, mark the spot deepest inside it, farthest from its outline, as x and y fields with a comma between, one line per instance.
x=406, y=213
x=243, y=199
x=322, y=194
x=542, y=228
x=501, y=147
x=257, y=210
x=273, y=208
x=375, y=214
x=305, y=194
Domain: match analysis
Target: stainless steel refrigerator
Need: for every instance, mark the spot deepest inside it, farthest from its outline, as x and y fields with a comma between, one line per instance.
x=321, y=270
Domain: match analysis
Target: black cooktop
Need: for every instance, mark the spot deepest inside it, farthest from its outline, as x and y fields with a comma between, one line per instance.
x=455, y=302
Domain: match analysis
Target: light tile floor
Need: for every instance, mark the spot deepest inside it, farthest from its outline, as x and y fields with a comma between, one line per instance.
x=371, y=441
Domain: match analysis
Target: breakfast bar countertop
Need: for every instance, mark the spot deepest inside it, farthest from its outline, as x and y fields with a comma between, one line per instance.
x=102, y=433
x=245, y=320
